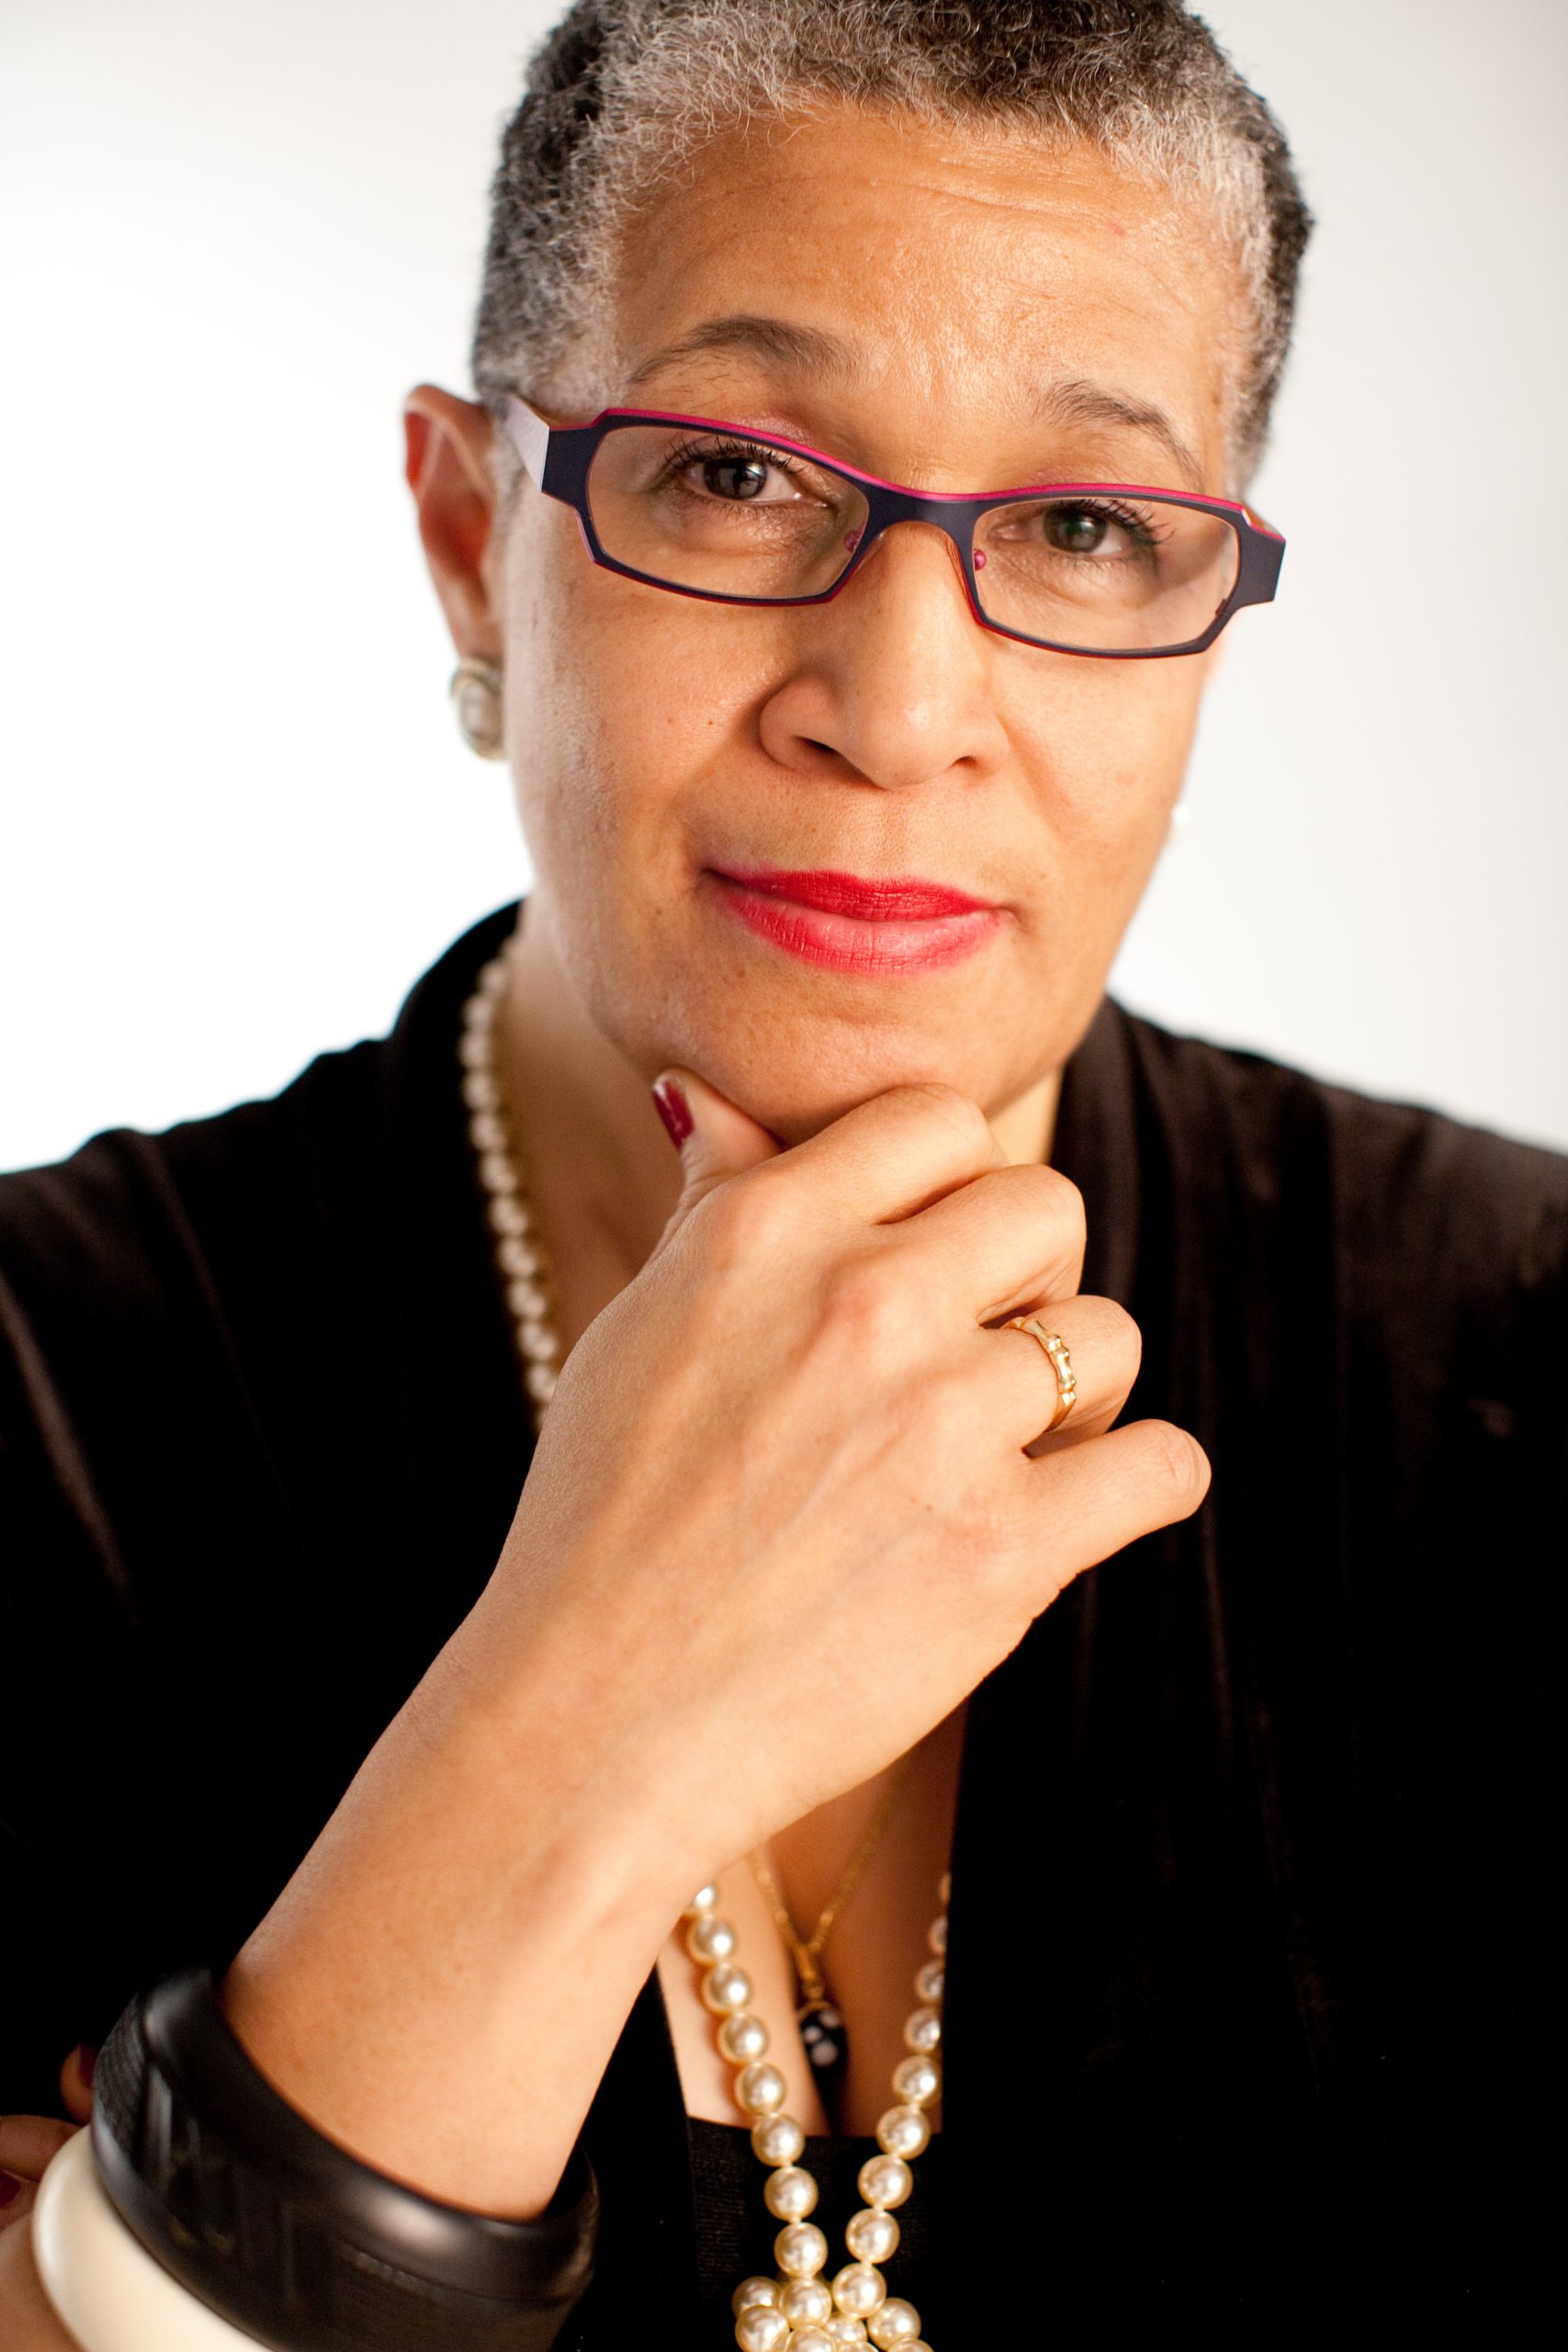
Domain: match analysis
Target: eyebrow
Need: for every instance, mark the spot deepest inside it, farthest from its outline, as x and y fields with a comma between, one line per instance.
x=1079, y=401
x=811, y=351
x=805, y=350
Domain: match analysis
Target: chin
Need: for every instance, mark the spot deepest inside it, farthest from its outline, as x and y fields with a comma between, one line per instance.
x=800, y=1076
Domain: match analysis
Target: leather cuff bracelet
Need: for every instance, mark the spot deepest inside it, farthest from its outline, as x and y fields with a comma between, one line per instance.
x=289, y=2235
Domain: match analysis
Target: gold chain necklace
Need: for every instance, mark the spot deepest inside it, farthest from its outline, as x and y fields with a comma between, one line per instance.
x=818, y=2016
x=799, y=2310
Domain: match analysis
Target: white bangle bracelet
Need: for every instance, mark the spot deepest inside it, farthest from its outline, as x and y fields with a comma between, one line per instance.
x=104, y=2284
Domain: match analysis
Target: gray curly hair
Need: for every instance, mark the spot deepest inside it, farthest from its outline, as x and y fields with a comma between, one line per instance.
x=623, y=93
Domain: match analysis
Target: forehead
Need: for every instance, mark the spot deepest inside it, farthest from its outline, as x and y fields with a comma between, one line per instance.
x=953, y=290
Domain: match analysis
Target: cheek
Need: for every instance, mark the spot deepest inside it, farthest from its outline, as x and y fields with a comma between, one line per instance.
x=1106, y=754
x=1114, y=744
x=615, y=699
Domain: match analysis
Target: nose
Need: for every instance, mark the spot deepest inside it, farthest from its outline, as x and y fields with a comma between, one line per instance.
x=890, y=683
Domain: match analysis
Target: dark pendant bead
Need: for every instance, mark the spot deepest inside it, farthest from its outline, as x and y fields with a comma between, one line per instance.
x=827, y=2046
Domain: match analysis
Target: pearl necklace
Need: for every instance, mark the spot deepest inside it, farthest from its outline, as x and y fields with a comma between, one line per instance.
x=798, y=2311
x=525, y=1263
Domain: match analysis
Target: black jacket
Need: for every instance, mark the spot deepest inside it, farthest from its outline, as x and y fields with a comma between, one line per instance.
x=1250, y=2016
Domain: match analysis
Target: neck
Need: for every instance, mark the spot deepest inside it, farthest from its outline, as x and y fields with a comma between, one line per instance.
x=1026, y=1127
x=602, y=1177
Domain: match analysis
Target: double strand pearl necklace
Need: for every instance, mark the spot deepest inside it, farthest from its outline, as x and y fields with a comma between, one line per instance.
x=800, y=2310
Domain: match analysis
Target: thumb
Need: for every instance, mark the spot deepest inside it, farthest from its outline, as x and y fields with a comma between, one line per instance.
x=714, y=1137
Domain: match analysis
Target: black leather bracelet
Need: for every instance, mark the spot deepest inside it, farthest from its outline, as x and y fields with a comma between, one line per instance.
x=286, y=2234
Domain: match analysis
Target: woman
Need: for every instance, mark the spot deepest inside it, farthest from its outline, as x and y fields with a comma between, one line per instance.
x=836, y=826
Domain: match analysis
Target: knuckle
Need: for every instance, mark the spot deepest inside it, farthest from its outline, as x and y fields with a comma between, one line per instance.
x=1000, y=1540
x=1122, y=1339
x=864, y=1300
x=1047, y=1210
x=1175, y=1466
x=741, y=1220
x=1064, y=1203
x=958, y=1114
x=939, y=1413
x=1118, y=1323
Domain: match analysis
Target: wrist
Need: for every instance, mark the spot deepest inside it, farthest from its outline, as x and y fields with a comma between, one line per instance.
x=596, y=1772
x=211, y=2174
x=441, y=1985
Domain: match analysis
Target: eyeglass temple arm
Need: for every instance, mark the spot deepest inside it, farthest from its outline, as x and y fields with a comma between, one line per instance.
x=530, y=436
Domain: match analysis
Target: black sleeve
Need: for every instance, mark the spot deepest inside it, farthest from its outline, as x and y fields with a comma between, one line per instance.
x=198, y=1646
x=261, y=1437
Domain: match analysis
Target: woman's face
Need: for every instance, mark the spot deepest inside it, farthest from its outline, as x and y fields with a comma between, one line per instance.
x=985, y=295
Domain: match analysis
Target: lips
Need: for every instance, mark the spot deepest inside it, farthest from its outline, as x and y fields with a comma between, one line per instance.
x=849, y=922
x=898, y=899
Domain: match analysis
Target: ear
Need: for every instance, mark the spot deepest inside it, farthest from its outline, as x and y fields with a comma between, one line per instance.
x=448, y=469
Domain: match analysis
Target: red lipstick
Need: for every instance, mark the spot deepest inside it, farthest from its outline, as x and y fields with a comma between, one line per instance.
x=850, y=923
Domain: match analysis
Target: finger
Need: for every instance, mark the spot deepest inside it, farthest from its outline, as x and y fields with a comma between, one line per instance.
x=890, y=1158
x=714, y=1137
x=1097, y=1499
x=29, y=2142
x=15, y=2199
x=1020, y=1386
x=1001, y=1243
x=76, y=2081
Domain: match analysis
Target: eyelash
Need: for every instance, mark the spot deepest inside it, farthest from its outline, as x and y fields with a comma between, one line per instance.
x=1147, y=535
x=716, y=455
x=1110, y=509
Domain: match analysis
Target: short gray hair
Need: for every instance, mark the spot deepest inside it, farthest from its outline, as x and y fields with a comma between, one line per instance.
x=622, y=93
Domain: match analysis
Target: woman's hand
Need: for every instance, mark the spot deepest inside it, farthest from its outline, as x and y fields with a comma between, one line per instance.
x=29, y=2142
x=787, y=1509
x=782, y=1519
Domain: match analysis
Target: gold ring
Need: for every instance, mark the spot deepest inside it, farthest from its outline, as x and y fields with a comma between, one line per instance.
x=1055, y=1348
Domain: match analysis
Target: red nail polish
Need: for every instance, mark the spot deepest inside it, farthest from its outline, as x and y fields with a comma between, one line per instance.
x=669, y=1101
x=8, y=2188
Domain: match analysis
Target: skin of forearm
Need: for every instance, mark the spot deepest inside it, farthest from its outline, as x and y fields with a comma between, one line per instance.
x=440, y=1986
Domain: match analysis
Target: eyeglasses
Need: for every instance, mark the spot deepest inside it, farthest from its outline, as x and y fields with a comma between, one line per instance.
x=709, y=509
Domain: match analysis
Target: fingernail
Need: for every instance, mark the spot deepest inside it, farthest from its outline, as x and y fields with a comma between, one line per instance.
x=8, y=2187
x=86, y=2059
x=669, y=1101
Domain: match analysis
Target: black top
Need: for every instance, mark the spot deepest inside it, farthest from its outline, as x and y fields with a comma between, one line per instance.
x=735, y=2232
x=1249, y=2013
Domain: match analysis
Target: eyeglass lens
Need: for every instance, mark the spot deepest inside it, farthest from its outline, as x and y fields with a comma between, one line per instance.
x=741, y=518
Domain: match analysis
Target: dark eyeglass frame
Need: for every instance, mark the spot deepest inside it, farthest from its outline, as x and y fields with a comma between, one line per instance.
x=558, y=458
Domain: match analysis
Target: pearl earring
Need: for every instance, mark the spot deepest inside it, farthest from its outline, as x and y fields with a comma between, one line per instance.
x=476, y=698
x=1179, y=816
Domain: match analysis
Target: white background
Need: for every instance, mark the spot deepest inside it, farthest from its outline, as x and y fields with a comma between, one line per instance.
x=234, y=819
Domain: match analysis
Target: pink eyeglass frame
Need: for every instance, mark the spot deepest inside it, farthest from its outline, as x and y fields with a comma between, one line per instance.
x=556, y=458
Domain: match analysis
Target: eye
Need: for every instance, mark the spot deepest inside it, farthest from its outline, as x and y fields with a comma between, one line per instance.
x=1098, y=532
x=1092, y=527
x=735, y=477
x=740, y=474
x=1076, y=531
